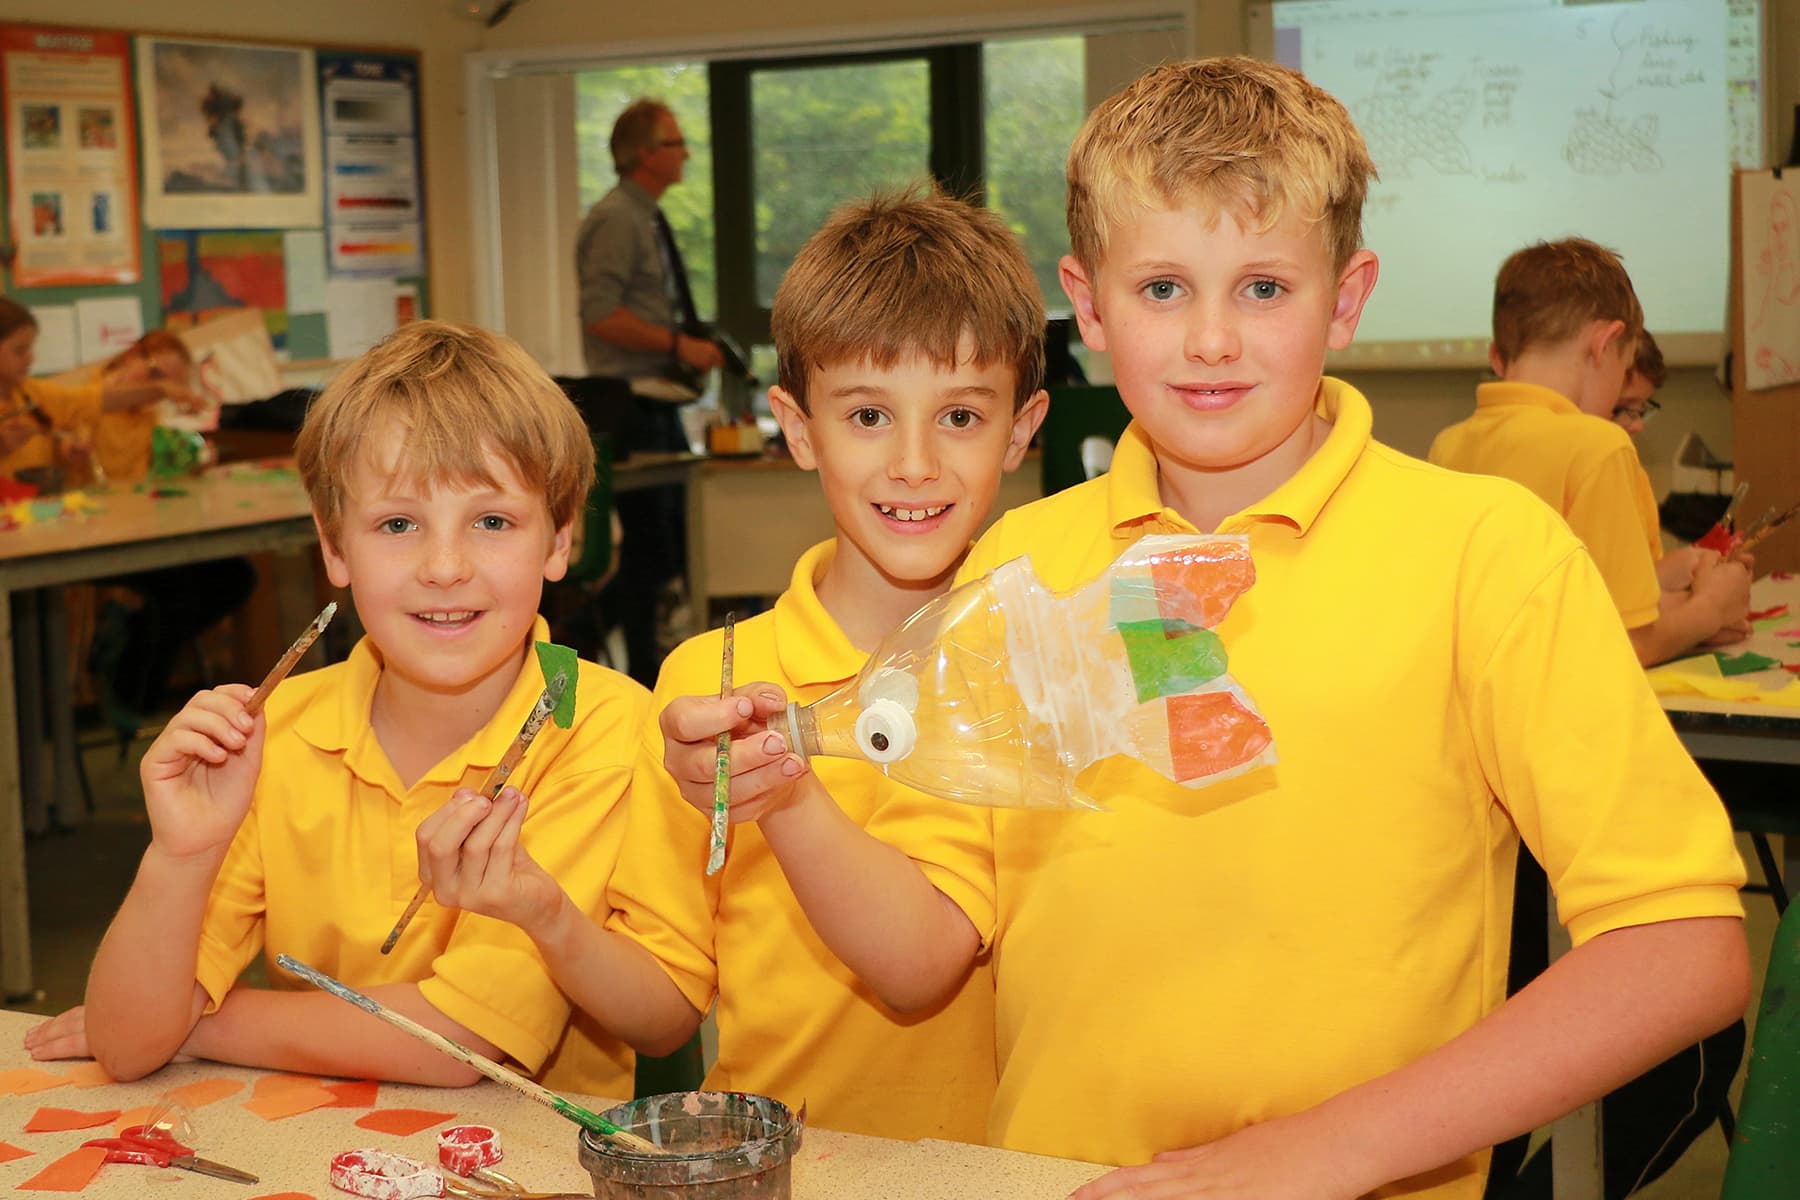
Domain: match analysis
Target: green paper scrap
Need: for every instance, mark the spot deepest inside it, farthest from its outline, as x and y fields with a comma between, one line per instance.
x=1171, y=658
x=551, y=659
x=1744, y=664
x=1771, y=622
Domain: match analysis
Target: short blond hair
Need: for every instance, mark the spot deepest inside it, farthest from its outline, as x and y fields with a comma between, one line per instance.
x=458, y=394
x=1233, y=134
x=904, y=273
x=1548, y=292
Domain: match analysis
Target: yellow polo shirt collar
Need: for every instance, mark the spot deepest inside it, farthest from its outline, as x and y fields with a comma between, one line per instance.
x=1501, y=393
x=339, y=723
x=810, y=646
x=1134, y=498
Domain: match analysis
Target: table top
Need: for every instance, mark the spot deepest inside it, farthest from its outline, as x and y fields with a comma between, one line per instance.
x=1758, y=710
x=242, y=494
x=294, y=1153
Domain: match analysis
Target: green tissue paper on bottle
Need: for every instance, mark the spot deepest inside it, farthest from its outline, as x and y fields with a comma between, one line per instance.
x=553, y=658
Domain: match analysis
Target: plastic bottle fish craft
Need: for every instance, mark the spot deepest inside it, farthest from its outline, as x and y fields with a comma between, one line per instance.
x=1001, y=692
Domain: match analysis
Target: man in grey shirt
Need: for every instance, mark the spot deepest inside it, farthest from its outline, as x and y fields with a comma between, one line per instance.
x=633, y=290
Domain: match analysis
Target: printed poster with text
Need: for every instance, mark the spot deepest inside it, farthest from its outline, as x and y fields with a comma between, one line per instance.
x=71, y=156
x=374, y=211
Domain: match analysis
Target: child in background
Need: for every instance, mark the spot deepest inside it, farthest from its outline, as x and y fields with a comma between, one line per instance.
x=135, y=648
x=33, y=412
x=1637, y=396
x=909, y=335
x=1566, y=328
x=445, y=471
x=1289, y=983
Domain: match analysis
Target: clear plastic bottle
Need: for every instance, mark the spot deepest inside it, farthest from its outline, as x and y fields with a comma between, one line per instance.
x=1001, y=693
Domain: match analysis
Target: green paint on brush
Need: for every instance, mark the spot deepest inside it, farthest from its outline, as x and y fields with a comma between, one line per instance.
x=551, y=659
x=591, y=1121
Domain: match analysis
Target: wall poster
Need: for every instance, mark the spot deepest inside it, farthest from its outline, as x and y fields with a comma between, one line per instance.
x=231, y=135
x=374, y=209
x=71, y=156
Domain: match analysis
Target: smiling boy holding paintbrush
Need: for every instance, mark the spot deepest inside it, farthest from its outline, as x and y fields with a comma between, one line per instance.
x=910, y=338
x=445, y=470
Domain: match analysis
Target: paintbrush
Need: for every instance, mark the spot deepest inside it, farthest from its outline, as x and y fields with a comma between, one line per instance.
x=1763, y=528
x=594, y=1123
x=715, y=857
x=294, y=654
x=534, y=721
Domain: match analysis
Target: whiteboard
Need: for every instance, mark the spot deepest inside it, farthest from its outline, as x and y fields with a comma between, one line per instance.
x=1499, y=123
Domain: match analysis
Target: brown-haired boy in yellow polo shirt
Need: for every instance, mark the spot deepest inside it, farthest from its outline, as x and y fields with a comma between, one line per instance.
x=1290, y=983
x=909, y=335
x=1566, y=329
x=445, y=470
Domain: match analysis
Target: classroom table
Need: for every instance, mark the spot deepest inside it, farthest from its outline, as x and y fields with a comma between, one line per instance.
x=1756, y=732
x=241, y=509
x=293, y=1154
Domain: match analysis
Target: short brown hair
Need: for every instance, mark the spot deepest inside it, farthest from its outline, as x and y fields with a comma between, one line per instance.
x=1232, y=133
x=157, y=341
x=909, y=272
x=1649, y=361
x=458, y=394
x=14, y=317
x=635, y=130
x=1547, y=292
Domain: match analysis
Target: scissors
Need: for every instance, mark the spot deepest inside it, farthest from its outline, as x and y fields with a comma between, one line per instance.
x=152, y=1146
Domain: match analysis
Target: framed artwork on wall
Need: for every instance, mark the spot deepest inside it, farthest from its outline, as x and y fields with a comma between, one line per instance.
x=231, y=135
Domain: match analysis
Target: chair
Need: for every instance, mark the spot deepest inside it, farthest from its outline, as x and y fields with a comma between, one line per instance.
x=1765, y=1154
x=593, y=556
x=1076, y=417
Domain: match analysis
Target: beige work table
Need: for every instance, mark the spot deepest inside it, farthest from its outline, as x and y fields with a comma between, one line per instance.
x=293, y=1155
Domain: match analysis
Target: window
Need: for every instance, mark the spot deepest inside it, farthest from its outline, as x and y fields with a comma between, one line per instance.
x=1035, y=93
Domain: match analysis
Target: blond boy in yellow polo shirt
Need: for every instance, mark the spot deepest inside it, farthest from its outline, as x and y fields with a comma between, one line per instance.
x=1566, y=328
x=1290, y=983
x=909, y=333
x=445, y=470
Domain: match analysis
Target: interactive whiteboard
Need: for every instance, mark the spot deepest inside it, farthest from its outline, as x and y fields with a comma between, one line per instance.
x=1497, y=123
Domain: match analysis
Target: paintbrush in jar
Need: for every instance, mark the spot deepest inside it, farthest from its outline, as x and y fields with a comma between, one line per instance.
x=593, y=1122
x=534, y=721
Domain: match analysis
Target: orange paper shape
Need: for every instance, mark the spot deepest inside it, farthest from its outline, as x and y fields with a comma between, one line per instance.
x=268, y=1085
x=134, y=1116
x=70, y=1173
x=359, y=1093
x=1212, y=732
x=57, y=1120
x=402, y=1121
x=87, y=1075
x=8, y=1153
x=1199, y=587
x=25, y=1080
x=202, y=1092
x=290, y=1102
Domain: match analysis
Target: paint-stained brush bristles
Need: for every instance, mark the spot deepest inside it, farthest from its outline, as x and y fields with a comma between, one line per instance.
x=294, y=654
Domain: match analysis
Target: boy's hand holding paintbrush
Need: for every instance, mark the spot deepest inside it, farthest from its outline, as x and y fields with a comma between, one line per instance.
x=470, y=857
x=200, y=773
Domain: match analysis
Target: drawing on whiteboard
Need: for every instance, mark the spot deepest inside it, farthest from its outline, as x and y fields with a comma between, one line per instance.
x=1770, y=216
x=1398, y=130
x=1602, y=145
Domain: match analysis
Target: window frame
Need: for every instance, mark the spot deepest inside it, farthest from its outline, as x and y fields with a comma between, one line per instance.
x=956, y=158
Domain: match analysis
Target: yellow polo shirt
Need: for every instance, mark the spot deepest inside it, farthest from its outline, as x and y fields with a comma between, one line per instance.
x=1443, y=674
x=794, y=1023
x=66, y=407
x=1583, y=467
x=325, y=861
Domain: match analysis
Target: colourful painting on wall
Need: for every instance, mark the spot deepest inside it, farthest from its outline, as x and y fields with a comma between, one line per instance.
x=206, y=272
